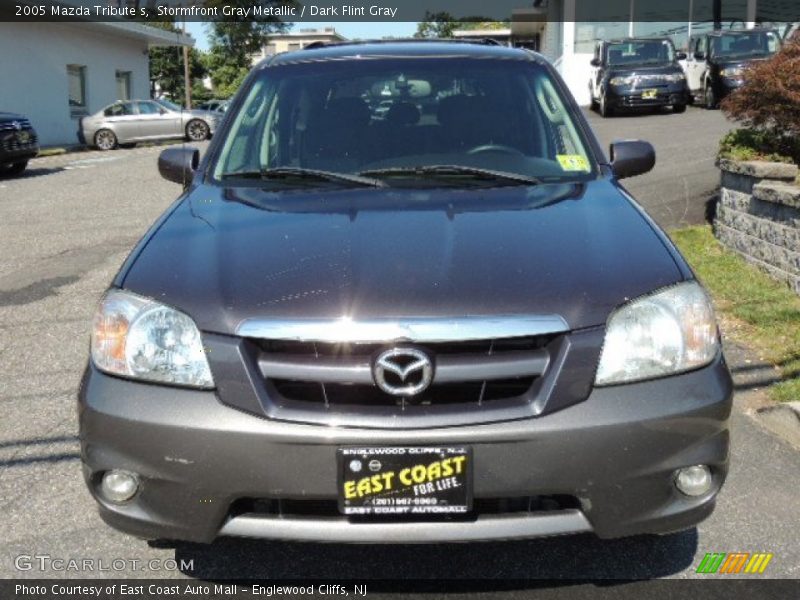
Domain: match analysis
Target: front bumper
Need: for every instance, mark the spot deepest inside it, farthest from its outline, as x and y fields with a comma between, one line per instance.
x=633, y=98
x=616, y=453
x=12, y=150
x=726, y=86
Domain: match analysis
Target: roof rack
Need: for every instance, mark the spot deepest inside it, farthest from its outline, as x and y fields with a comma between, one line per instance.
x=481, y=41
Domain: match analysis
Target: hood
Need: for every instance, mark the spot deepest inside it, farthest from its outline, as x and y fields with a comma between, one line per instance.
x=661, y=69
x=726, y=63
x=225, y=255
x=7, y=116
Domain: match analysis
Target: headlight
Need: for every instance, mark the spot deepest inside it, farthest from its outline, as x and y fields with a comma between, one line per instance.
x=732, y=72
x=622, y=80
x=674, y=77
x=665, y=333
x=139, y=338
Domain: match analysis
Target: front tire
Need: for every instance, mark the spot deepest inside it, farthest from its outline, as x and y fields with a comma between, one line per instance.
x=710, y=98
x=604, y=109
x=197, y=130
x=105, y=140
x=678, y=108
x=13, y=168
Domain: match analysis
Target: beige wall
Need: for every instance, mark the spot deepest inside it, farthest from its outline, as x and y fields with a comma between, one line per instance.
x=36, y=56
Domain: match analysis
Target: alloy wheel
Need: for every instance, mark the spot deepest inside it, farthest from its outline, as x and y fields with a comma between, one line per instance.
x=105, y=140
x=197, y=131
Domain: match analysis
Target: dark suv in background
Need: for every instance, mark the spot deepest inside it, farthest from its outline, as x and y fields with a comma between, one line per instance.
x=18, y=143
x=716, y=61
x=403, y=299
x=637, y=73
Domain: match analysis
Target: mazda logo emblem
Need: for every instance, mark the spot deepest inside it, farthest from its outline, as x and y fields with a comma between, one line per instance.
x=16, y=125
x=403, y=371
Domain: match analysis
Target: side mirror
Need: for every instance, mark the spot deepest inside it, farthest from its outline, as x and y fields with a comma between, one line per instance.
x=595, y=62
x=631, y=157
x=162, y=111
x=680, y=56
x=179, y=164
x=699, y=55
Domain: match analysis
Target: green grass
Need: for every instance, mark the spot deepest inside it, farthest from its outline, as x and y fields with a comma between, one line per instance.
x=755, y=310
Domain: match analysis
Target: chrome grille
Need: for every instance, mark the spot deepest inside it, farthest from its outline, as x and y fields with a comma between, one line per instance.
x=651, y=80
x=11, y=143
x=466, y=373
x=319, y=371
x=10, y=125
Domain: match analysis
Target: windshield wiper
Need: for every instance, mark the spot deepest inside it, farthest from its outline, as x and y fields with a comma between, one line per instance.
x=301, y=173
x=447, y=170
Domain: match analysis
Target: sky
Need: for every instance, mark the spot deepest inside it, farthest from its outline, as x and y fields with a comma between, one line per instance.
x=347, y=29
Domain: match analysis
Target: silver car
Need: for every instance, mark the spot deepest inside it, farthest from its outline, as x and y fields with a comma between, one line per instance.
x=131, y=121
x=219, y=106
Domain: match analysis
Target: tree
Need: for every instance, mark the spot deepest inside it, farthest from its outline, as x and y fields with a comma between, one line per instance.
x=166, y=67
x=235, y=42
x=442, y=25
x=768, y=104
x=487, y=25
x=436, y=25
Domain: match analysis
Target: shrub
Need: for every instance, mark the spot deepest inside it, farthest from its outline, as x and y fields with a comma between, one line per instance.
x=758, y=144
x=768, y=104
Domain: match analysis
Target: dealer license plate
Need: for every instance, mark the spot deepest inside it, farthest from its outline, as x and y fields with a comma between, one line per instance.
x=405, y=481
x=649, y=94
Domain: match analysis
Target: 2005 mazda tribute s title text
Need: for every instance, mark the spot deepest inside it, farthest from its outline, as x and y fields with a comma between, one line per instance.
x=404, y=298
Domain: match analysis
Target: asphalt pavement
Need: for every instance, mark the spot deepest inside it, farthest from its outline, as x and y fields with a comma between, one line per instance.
x=67, y=225
x=677, y=191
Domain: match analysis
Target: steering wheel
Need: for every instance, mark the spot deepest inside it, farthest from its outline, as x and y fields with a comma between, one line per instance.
x=495, y=148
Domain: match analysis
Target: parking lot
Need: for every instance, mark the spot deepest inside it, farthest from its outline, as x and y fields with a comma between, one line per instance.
x=68, y=224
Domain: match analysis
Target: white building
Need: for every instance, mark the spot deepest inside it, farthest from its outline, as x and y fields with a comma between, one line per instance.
x=63, y=71
x=296, y=40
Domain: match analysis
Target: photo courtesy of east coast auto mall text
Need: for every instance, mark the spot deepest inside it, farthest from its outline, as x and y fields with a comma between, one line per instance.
x=399, y=299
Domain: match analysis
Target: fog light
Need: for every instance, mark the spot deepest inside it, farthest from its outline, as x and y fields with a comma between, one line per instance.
x=693, y=481
x=119, y=486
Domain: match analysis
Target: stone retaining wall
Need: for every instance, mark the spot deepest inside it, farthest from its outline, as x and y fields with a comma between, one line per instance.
x=758, y=216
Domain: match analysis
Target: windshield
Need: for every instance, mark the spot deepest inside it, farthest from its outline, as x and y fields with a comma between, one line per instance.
x=641, y=52
x=744, y=45
x=169, y=105
x=396, y=118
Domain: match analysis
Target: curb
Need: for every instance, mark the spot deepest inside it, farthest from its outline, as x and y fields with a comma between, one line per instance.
x=58, y=150
x=784, y=420
x=78, y=148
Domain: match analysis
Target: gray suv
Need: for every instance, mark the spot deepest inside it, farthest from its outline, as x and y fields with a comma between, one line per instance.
x=404, y=298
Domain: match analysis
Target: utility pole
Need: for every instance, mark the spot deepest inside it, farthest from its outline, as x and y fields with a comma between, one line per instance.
x=717, y=15
x=187, y=82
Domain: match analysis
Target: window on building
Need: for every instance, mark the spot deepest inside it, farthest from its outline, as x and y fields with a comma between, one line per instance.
x=270, y=49
x=294, y=46
x=123, y=85
x=76, y=75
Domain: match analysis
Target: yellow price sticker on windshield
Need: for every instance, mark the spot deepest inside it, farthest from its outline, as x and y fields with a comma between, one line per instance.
x=573, y=162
